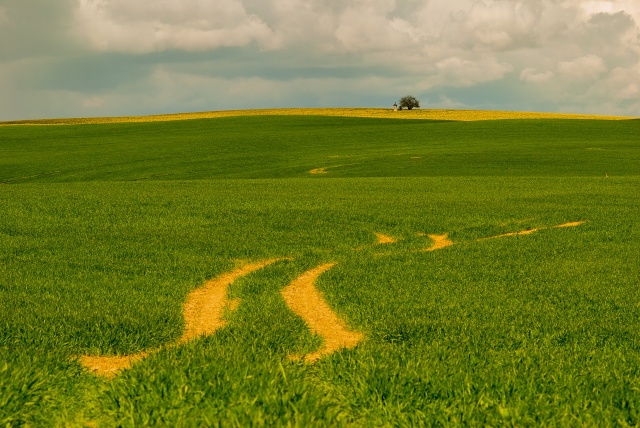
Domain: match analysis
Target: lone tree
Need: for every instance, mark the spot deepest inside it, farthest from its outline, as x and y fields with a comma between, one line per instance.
x=409, y=102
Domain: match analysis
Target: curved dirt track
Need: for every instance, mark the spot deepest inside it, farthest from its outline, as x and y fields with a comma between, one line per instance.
x=204, y=309
x=504, y=235
x=439, y=242
x=530, y=231
x=109, y=366
x=203, y=314
x=570, y=224
x=306, y=301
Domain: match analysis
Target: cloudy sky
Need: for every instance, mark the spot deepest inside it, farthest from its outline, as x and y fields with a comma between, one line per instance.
x=61, y=58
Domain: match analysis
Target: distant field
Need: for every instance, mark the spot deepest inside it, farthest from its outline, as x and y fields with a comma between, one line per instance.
x=432, y=114
x=352, y=271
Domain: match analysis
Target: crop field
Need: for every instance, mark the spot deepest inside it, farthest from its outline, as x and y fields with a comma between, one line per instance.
x=430, y=114
x=313, y=269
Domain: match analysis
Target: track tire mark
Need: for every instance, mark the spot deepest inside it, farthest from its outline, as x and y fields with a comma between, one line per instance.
x=530, y=231
x=110, y=366
x=304, y=299
x=204, y=308
x=317, y=171
x=203, y=314
x=439, y=242
x=570, y=224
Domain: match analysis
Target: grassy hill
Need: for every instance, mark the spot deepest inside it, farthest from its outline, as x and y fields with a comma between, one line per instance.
x=291, y=146
x=105, y=228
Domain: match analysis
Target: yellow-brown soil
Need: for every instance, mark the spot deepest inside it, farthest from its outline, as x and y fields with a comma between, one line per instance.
x=204, y=309
x=439, y=242
x=530, y=231
x=323, y=170
x=203, y=314
x=306, y=301
x=109, y=366
x=504, y=235
x=383, y=239
x=570, y=224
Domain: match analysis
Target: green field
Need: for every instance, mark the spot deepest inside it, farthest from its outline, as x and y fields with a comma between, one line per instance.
x=106, y=228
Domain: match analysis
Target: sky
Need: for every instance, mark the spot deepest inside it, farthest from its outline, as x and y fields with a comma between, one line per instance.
x=83, y=58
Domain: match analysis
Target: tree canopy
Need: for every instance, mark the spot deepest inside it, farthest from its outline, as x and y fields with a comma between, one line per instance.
x=409, y=102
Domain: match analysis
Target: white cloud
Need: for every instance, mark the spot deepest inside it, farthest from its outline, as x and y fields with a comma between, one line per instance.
x=148, y=26
x=620, y=85
x=593, y=7
x=532, y=76
x=498, y=25
x=588, y=67
x=457, y=71
x=366, y=26
x=623, y=84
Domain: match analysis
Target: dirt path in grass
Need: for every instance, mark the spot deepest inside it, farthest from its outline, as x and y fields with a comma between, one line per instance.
x=383, y=239
x=504, y=235
x=316, y=171
x=323, y=170
x=204, y=309
x=203, y=314
x=109, y=366
x=530, y=231
x=439, y=242
x=570, y=224
x=306, y=301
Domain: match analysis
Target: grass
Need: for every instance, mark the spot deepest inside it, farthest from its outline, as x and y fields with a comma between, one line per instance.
x=106, y=228
x=289, y=147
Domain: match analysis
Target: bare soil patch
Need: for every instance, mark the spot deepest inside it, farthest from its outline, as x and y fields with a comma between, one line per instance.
x=316, y=171
x=203, y=314
x=383, y=239
x=530, y=231
x=570, y=224
x=307, y=302
x=110, y=366
x=439, y=242
x=204, y=309
x=504, y=235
